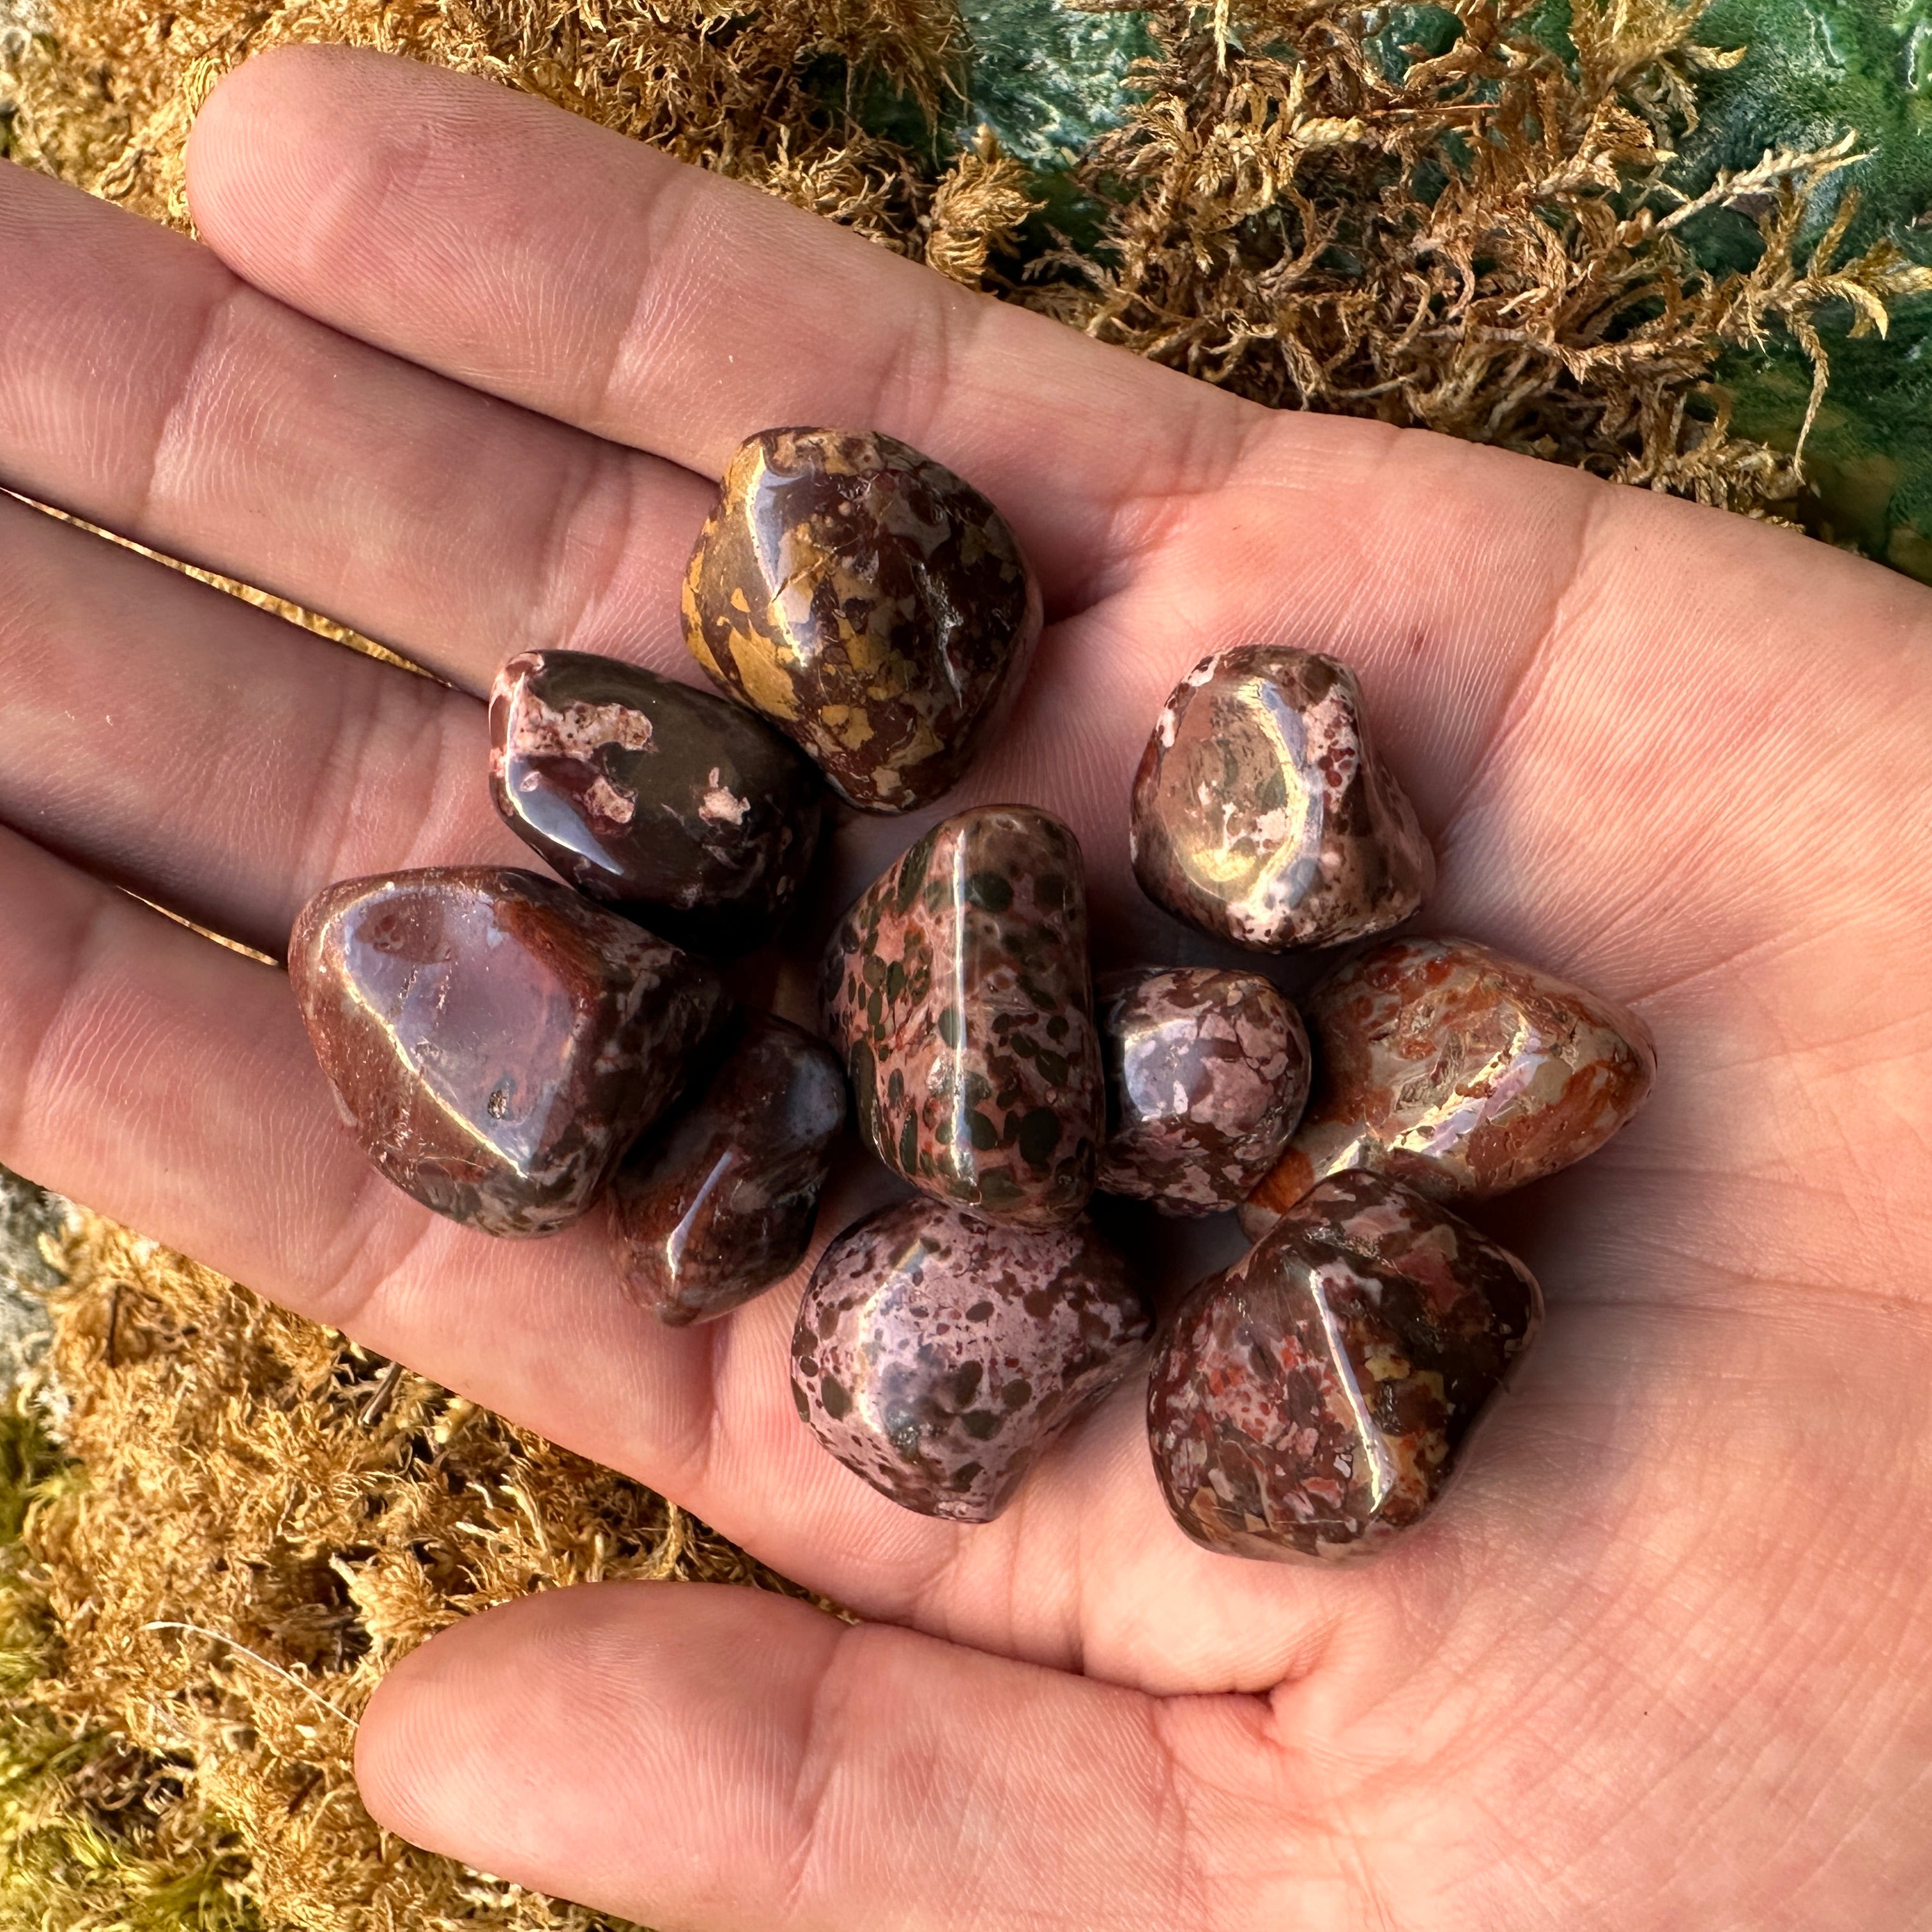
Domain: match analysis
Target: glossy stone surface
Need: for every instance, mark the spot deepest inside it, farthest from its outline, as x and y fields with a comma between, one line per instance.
x=1207, y=1072
x=718, y=1203
x=936, y=1356
x=1262, y=813
x=1313, y=1400
x=1459, y=1072
x=871, y=603
x=496, y=1042
x=958, y=990
x=684, y=811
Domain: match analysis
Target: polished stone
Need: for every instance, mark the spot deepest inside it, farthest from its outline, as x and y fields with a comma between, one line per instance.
x=958, y=990
x=1207, y=1072
x=1315, y=1400
x=496, y=1042
x=871, y=603
x=1459, y=1072
x=936, y=1356
x=1262, y=813
x=718, y=1203
x=685, y=811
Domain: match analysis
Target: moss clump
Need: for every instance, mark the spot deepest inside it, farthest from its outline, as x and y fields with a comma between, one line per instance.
x=1472, y=230
x=225, y=1523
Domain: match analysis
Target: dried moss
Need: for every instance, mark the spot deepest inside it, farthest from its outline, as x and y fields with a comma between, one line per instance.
x=246, y=1520
x=1475, y=232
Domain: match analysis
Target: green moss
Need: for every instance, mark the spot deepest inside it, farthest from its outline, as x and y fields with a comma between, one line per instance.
x=1046, y=79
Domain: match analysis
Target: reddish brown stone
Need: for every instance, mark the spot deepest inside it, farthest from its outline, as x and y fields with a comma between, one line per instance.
x=869, y=602
x=1315, y=1400
x=718, y=1203
x=687, y=813
x=1458, y=1071
x=1206, y=1074
x=1261, y=812
x=957, y=988
x=936, y=1356
x=496, y=1043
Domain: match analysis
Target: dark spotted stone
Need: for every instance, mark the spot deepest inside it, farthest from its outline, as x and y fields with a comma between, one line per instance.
x=958, y=990
x=936, y=1356
x=1262, y=813
x=1315, y=1400
x=683, y=811
x=1206, y=1074
x=1461, y=1072
x=496, y=1042
x=718, y=1203
x=871, y=603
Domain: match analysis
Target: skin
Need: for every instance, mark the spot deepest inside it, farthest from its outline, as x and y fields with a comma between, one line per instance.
x=459, y=370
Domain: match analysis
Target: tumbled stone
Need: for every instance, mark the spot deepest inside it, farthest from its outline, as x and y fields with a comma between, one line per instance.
x=496, y=1042
x=1314, y=1399
x=718, y=1203
x=1459, y=1072
x=1207, y=1072
x=686, y=812
x=871, y=603
x=937, y=1356
x=1263, y=814
x=958, y=989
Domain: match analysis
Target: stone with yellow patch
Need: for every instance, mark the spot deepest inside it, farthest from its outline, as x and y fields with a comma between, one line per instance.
x=871, y=603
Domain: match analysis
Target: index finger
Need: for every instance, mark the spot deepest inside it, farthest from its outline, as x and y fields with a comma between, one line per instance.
x=545, y=259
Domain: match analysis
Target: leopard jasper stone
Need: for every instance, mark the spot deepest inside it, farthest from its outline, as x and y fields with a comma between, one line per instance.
x=1462, y=1073
x=496, y=1043
x=958, y=989
x=718, y=1203
x=936, y=1356
x=872, y=604
x=1314, y=1400
x=1262, y=813
x=1207, y=1071
x=687, y=813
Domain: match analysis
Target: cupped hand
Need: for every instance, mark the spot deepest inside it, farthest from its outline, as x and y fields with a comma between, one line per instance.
x=460, y=370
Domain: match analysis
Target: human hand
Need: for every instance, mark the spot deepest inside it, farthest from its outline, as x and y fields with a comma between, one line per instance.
x=1658, y=1663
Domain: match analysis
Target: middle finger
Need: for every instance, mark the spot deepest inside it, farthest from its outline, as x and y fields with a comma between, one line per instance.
x=144, y=387
x=213, y=758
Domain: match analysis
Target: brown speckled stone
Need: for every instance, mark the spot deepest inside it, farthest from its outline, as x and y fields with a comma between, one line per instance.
x=496, y=1042
x=1262, y=813
x=1206, y=1074
x=718, y=1203
x=686, y=812
x=958, y=989
x=871, y=603
x=1459, y=1072
x=1313, y=1400
x=936, y=1356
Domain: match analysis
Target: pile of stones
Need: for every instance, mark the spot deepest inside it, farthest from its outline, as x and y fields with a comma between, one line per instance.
x=510, y=1050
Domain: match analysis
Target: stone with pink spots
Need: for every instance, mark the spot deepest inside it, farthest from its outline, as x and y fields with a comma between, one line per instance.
x=1262, y=813
x=936, y=1356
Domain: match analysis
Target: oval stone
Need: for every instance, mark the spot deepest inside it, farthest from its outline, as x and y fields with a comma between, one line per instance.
x=1263, y=814
x=1314, y=1399
x=718, y=1203
x=936, y=1356
x=1462, y=1073
x=496, y=1043
x=874, y=606
x=682, y=811
x=958, y=989
x=1207, y=1072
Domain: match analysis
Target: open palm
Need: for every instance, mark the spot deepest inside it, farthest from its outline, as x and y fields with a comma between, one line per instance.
x=459, y=370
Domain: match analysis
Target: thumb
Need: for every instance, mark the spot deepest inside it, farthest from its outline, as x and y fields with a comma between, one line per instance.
x=701, y=1757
